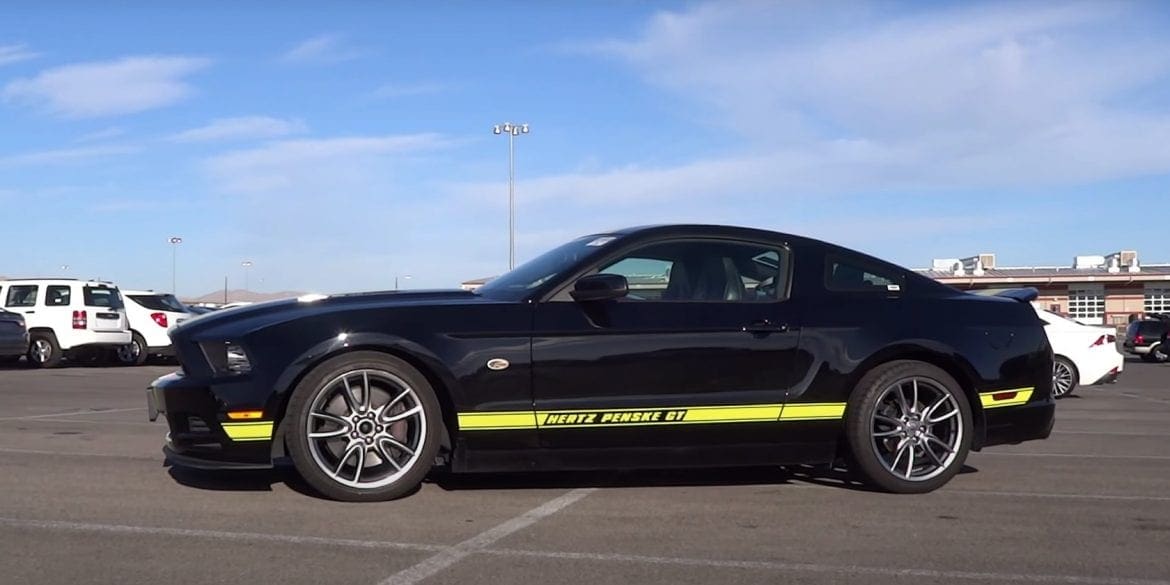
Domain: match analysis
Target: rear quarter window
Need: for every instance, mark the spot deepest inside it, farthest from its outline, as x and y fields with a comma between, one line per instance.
x=844, y=274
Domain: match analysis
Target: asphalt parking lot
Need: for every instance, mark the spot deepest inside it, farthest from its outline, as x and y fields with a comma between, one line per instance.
x=85, y=497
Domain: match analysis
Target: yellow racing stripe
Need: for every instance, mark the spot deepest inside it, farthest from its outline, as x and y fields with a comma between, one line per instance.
x=653, y=416
x=248, y=431
x=1001, y=398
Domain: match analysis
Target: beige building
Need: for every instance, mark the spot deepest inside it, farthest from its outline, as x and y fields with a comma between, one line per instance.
x=1093, y=289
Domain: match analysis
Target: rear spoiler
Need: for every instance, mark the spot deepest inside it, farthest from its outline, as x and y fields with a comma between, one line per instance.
x=1024, y=294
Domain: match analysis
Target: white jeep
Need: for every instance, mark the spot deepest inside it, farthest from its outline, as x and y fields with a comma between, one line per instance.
x=67, y=316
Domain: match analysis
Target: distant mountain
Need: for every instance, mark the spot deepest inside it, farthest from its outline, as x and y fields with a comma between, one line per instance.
x=238, y=295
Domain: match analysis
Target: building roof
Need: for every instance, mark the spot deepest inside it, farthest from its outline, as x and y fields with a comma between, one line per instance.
x=1051, y=274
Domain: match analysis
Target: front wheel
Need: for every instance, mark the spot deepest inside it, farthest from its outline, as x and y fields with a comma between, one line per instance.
x=1064, y=377
x=909, y=427
x=364, y=426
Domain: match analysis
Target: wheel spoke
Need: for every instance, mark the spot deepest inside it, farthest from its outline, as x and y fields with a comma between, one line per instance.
x=932, y=454
x=390, y=439
x=946, y=416
x=898, y=451
x=349, y=451
x=402, y=415
x=329, y=434
x=910, y=462
x=914, y=404
x=933, y=407
x=902, y=400
x=931, y=438
x=365, y=391
x=384, y=453
x=887, y=433
x=886, y=419
x=350, y=401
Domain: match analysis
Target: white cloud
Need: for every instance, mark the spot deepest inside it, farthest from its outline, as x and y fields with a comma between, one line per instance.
x=1004, y=94
x=320, y=166
x=99, y=135
x=241, y=128
x=15, y=53
x=65, y=155
x=107, y=88
x=326, y=48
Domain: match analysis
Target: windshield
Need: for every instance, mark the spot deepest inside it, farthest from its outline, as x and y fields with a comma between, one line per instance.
x=540, y=270
x=159, y=302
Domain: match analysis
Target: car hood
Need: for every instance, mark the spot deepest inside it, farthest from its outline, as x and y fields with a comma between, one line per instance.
x=240, y=320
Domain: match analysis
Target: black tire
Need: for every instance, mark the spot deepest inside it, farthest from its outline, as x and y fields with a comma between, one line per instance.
x=317, y=382
x=1157, y=354
x=134, y=353
x=860, y=420
x=52, y=355
x=1070, y=370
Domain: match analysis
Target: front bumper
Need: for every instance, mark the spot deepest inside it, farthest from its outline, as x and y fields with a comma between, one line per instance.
x=1015, y=424
x=200, y=435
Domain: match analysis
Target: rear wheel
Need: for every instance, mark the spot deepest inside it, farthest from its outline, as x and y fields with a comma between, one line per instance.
x=43, y=350
x=364, y=426
x=133, y=353
x=909, y=427
x=1064, y=377
x=1158, y=353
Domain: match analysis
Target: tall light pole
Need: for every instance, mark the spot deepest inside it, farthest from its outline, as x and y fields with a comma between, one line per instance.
x=174, y=241
x=246, y=264
x=405, y=277
x=512, y=130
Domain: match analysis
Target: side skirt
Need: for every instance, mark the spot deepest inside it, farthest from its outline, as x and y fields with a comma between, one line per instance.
x=467, y=460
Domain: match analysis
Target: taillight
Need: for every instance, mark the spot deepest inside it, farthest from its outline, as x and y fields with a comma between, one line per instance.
x=160, y=318
x=1138, y=339
x=1100, y=341
x=1104, y=339
x=80, y=320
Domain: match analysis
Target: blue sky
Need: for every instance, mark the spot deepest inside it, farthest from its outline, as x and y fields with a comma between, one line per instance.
x=338, y=148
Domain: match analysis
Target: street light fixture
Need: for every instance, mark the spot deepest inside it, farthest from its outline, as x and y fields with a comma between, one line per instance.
x=246, y=264
x=405, y=277
x=174, y=241
x=512, y=130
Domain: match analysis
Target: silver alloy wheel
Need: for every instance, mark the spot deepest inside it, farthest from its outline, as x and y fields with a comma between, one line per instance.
x=1062, y=378
x=42, y=350
x=365, y=428
x=917, y=429
x=129, y=353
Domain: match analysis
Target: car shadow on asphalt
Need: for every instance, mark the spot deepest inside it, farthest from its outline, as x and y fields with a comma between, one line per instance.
x=797, y=475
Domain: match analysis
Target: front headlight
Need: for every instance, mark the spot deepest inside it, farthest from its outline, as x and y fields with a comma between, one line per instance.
x=227, y=358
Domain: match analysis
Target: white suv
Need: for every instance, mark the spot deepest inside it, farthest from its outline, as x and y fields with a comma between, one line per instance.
x=152, y=315
x=66, y=316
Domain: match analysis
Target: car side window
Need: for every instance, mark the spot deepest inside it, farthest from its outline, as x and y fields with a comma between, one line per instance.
x=703, y=271
x=57, y=296
x=21, y=295
x=849, y=275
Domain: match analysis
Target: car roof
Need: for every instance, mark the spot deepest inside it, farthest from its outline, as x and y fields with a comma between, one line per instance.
x=56, y=281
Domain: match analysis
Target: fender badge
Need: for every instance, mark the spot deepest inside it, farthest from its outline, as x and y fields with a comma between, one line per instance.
x=498, y=364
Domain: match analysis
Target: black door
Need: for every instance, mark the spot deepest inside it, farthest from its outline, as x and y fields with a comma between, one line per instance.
x=701, y=351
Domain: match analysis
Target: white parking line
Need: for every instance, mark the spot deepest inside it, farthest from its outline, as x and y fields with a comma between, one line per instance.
x=481, y=541
x=1059, y=496
x=1118, y=433
x=73, y=413
x=214, y=534
x=1075, y=455
x=76, y=453
x=933, y=575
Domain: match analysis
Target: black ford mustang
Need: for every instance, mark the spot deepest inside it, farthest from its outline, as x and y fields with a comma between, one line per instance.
x=651, y=347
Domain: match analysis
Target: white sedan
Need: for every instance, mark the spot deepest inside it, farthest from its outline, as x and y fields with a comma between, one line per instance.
x=1085, y=354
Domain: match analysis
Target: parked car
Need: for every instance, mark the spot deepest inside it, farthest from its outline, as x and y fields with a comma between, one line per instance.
x=739, y=347
x=13, y=337
x=151, y=315
x=1085, y=355
x=67, y=317
x=1145, y=338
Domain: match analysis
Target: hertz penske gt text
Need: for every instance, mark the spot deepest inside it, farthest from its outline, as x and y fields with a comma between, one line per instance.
x=665, y=346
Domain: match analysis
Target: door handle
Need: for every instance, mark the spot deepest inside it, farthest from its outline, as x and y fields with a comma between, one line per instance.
x=764, y=327
x=29, y=312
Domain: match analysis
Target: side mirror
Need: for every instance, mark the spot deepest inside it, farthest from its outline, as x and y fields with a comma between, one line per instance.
x=600, y=287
